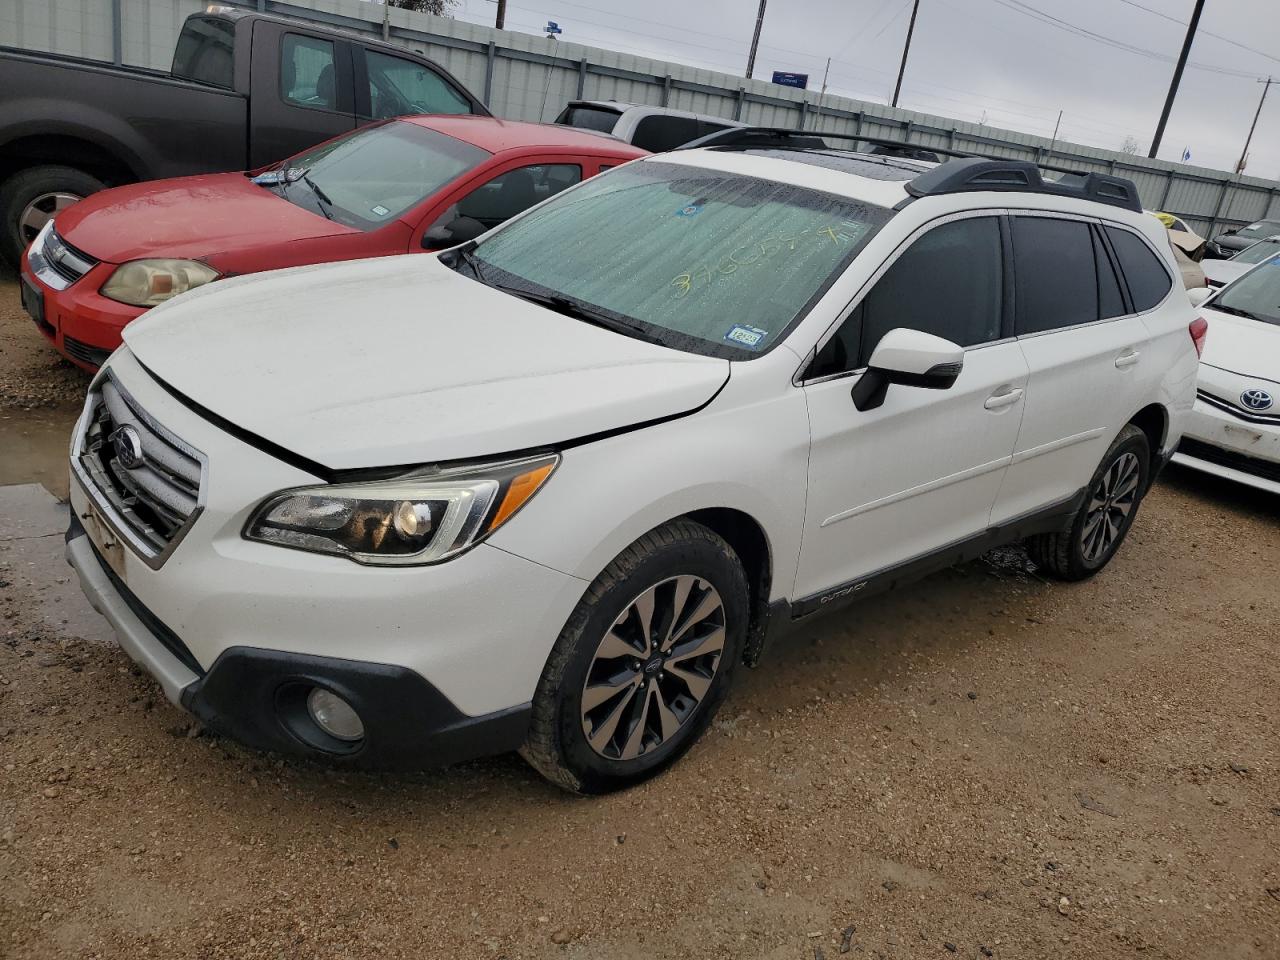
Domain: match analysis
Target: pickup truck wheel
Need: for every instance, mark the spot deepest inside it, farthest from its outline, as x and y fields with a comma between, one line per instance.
x=31, y=197
x=1099, y=527
x=644, y=662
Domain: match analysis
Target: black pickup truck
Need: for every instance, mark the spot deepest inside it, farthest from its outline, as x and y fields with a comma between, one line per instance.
x=246, y=89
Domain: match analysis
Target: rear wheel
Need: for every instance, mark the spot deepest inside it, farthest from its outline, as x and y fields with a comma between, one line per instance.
x=643, y=663
x=1100, y=526
x=30, y=198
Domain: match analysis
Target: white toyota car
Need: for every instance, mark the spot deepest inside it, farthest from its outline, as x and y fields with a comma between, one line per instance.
x=548, y=490
x=1234, y=430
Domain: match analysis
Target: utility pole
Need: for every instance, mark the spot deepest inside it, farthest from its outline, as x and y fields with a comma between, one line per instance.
x=1054, y=142
x=755, y=39
x=825, y=74
x=501, y=19
x=906, y=48
x=1177, y=78
x=1244, y=154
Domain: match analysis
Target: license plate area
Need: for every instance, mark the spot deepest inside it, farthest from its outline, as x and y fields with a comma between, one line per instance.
x=33, y=303
x=104, y=540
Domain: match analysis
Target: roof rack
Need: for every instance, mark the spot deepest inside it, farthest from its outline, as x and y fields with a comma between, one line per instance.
x=964, y=172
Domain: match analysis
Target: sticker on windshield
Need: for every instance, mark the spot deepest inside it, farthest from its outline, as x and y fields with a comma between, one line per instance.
x=691, y=210
x=747, y=336
x=379, y=210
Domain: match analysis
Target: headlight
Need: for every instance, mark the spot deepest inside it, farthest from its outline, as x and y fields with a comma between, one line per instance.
x=145, y=283
x=416, y=519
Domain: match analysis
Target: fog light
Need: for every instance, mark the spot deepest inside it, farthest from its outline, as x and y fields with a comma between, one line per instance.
x=334, y=715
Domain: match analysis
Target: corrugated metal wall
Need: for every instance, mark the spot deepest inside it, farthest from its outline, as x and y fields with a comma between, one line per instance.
x=530, y=78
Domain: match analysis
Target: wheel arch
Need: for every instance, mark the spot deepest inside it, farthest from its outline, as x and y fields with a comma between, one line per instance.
x=109, y=161
x=1153, y=420
x=748, y=539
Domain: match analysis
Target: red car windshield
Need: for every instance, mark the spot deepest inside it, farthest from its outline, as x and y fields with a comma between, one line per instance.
x=371, y=176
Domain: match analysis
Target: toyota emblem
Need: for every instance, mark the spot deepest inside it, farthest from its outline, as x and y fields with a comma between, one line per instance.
x=1256, y=400
x=128, y=447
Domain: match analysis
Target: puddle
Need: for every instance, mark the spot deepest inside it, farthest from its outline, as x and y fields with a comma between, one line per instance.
x=33, y=446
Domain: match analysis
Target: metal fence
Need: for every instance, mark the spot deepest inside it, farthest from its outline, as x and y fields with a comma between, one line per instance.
x=530, y=78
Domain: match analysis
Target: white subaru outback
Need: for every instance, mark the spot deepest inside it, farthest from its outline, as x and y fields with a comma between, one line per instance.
x=548, y=490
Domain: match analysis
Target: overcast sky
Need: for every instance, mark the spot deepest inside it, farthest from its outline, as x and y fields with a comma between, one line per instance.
x=971, y=57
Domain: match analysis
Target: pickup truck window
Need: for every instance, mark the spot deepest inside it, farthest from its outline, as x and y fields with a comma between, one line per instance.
x=206, y=52
x=398, y=87
x=372, y=175
x=307, y=72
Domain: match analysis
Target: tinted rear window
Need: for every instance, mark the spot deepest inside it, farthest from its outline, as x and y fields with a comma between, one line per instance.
x=206, y=52
x=589, y=118
x=659, y=132
x=1148, y=280
x=1055, y=274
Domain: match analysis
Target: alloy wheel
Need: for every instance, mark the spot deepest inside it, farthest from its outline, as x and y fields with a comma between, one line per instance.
x=41, y=210
x=653, y=668
x=1110, y=503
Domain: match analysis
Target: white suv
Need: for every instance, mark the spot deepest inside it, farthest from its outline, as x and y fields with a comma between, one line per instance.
x=548, y=490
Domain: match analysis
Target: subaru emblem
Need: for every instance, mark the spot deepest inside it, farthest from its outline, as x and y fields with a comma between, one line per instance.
x=127, y=446
x=1256, y=400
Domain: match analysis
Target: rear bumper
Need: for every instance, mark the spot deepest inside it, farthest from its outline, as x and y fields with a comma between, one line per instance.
x=257, y=696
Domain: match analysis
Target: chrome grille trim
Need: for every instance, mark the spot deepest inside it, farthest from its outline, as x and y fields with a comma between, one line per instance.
x=58, y=264
x=1226, y=406
x=151, y=505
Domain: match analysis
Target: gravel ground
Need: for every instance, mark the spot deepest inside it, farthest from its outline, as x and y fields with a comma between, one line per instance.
x=984, y=765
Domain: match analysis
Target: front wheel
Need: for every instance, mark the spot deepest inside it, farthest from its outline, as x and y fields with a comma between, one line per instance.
x=1102, y=522
x=32, y=197
x=644, y=662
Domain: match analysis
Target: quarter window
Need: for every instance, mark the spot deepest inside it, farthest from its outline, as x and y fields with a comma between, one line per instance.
x=398, y=87
x=1055, y=274
x=1148, y=280
x=308, y=77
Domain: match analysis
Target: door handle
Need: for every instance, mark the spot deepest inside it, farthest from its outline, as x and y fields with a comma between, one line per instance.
x=999, y=400
x=1127, y=359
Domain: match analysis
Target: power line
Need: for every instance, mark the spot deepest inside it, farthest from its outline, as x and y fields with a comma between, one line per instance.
x=1207, y=33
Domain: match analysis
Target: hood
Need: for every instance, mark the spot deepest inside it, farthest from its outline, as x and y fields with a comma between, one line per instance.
x=1250, y=348
x=399, y=360
x=189, y=217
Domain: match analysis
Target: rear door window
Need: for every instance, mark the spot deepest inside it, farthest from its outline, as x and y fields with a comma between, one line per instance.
x=308, y=72
x=660, y=132
x=589, y=118
x=206, y=52
x=1055, y=274
x=398, y=87
x=1149, y=281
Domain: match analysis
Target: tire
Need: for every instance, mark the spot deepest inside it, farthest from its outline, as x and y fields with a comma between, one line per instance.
x=1114, y=494
x=659, y=710
x=50, y=186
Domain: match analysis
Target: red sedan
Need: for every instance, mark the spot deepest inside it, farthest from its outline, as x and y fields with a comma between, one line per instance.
x=401, y=186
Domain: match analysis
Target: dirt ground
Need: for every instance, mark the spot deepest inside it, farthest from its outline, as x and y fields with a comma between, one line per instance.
x=985, y=765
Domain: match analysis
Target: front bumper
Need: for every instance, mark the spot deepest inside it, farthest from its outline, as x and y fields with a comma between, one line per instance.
x=1227, y=445
x=82, y=324
x=257, y=696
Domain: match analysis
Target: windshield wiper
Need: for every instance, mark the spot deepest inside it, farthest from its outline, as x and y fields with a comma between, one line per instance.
x=321, y=196
x=572, y=308
x=1236, y=312
x=466, y=254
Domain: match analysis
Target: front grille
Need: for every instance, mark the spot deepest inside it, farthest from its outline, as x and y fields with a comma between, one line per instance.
x=65, y=260
x=94, y=356
x=146, y=479
x=1226, y=406
x=1266, y=469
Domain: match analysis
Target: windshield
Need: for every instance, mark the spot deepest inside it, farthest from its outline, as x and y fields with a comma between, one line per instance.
x=700, y=260
x=1256, y=295
x=373, y=175
x=1263, y=228
x=1259, y=251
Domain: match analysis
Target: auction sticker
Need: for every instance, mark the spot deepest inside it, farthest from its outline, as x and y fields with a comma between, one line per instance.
x=747, y=336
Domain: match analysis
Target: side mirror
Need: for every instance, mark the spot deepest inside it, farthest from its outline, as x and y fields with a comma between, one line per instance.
x=456, y=231
x=1198, y=295
x=910, y=358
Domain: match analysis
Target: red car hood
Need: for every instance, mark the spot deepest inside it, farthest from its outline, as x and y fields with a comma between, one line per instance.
x=188, y=217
